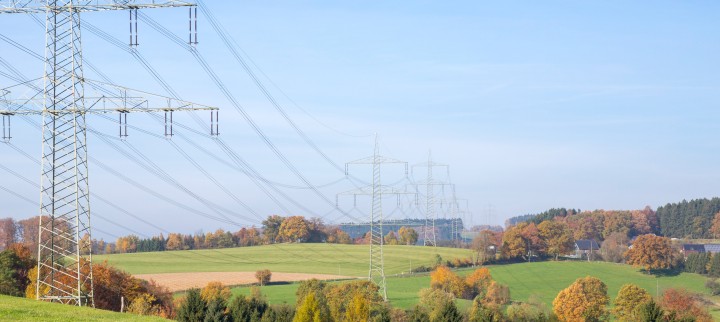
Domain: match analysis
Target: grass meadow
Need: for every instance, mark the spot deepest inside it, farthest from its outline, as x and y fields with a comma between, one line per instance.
x=543, y=280
x=540, y=279
x=22, y=309
x=347, y=260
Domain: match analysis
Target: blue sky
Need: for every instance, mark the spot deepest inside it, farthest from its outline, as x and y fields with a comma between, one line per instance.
x=593, y=104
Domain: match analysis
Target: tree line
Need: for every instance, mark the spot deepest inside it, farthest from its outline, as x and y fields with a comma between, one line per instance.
x=274, y=229
x=692, y=219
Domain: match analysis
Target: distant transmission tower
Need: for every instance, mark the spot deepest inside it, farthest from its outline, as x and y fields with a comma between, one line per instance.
x=430, y=211
x=64, y=244
x=376, y=190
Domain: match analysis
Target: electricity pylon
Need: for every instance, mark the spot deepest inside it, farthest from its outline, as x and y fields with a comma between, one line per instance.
x=64, y=239
x=377, y=266
x=429, y=238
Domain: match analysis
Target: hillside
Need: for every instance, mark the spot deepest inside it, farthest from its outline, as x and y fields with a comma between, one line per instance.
x=22, y=309
x=349, y=260
x=542, y=279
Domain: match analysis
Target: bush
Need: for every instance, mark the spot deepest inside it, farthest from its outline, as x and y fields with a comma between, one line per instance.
x=263, y=276
x=713, y=286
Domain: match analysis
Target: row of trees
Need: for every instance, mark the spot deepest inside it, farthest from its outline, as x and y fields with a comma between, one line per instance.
x=586, y=300
x=686, y=219
x=275, y=229
x=556, y=234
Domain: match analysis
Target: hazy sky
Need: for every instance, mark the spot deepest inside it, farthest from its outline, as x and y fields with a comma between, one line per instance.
x=533, y=104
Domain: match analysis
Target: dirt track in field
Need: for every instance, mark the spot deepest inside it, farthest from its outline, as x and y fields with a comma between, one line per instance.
x=183, y=281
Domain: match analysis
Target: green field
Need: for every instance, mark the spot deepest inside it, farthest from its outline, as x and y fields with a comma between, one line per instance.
x=348, y=260
x=541, y=279
x=22, y=309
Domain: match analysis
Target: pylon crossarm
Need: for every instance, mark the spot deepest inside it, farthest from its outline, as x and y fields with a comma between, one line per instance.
x=40, y=6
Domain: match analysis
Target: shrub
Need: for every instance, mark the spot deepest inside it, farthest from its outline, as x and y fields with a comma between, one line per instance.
x=263, y=276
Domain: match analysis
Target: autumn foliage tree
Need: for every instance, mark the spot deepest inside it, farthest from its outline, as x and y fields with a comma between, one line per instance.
x=445, y=279
x=557, y=237
x=478, y=281
x=628, y=301
x=650, y=252
x=715, y=228
x=408, y=236
x=682, y=305
x=263, y=276
x=583, y=300
x=294, y=229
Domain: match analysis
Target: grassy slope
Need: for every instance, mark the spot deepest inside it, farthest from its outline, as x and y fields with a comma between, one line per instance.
x=349, y=260
x=542, y=279
x=21, y=309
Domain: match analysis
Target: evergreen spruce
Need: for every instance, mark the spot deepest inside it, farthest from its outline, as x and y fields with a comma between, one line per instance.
x=714, y=270
x=193, y=309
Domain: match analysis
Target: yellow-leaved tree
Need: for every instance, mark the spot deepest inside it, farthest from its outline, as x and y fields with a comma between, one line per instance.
x=629, y=299
x=584, y=300
x=445, y=279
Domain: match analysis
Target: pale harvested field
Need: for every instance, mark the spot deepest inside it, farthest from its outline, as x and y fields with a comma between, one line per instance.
x=183, y=281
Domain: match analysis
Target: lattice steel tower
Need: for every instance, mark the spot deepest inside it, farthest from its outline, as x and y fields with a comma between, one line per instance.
x=429, y=238
x=64, y=250
x=376, y=273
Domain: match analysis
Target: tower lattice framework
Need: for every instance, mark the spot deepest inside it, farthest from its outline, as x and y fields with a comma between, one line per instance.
x=376, y=190
x=64, y=237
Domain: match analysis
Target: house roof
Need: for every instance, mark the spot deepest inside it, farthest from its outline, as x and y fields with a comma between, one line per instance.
x=712, y=248
x=693, y=248
x=587, y=244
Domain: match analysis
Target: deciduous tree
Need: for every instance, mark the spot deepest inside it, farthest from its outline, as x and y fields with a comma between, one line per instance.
x=557, y=237
x=478, y=281
x=583, y=300
x=445, y=279
x=650, y=252
x=263, y=276
x=215, y=290
x=629, y=299
x=497, y=295
x=271, y=227
x=485, y=245
x=8, y=233
x=614, y=247
x=294, y=229
x=682, y=305
x=715, y=228
x=408, y=236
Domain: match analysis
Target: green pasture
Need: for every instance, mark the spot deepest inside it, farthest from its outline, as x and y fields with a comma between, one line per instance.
x=541, y=279
x=22, y=309
x=348, y=260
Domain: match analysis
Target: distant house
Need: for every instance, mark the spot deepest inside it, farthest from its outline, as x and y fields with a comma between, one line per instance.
x=585, y=247
x=688, y=249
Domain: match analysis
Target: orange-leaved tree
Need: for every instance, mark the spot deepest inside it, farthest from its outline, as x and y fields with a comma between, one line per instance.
x=497, y=295
x=478, y=281
x=583, y=300
x=650, y=252
x=682, y=305
x=629, y=299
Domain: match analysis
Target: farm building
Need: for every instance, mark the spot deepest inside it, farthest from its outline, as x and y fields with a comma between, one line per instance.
x=583, y=247
x=688, y=249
